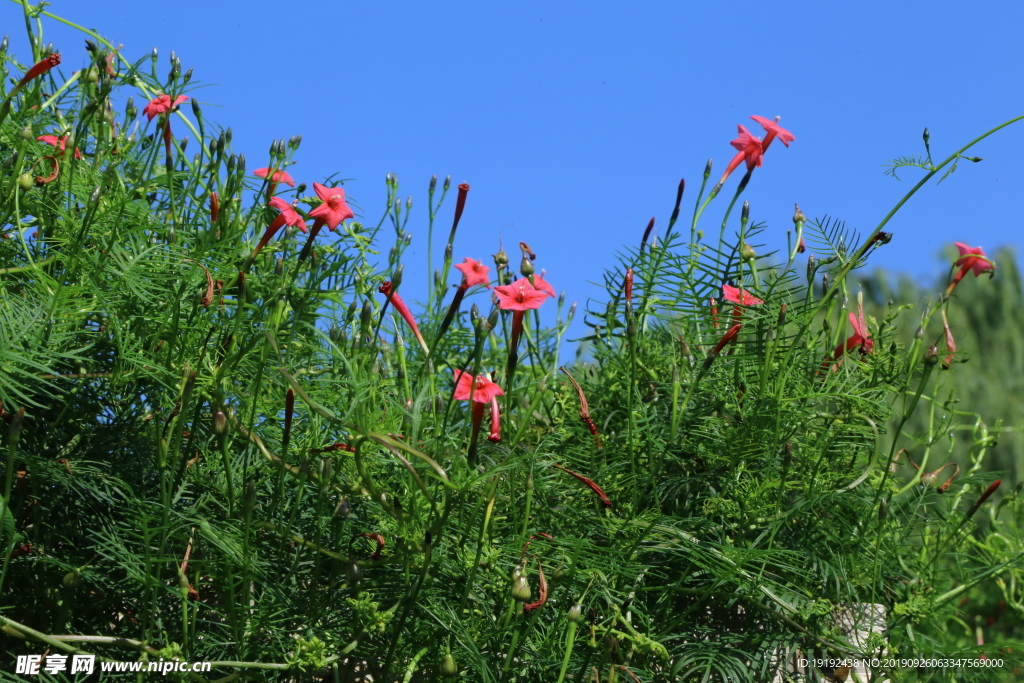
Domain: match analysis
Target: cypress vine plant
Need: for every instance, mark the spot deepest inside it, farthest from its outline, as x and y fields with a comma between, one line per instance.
x=228, y=437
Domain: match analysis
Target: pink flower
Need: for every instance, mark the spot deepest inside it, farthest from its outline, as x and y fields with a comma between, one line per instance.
x=334, y=209
x=473, y=272
x=519, y=296
x=276, y=176
x=973, y=258
x=773, y=130
x=58, y=142
x=749, y=148
x=481, y=388
x=161, y=105
x=732, y=295
x=288, y=216
x=543, y=285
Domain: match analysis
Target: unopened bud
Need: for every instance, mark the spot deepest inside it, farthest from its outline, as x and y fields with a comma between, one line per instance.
x=707, y=170
x=129, y=108
x=561, y=298
x=241, y=164
x=4, y=44
x=525, y=267
x=294, y=141
x=926, y=135
x=449, y=669
x=220, y=424
x=279, y=267
x=919, y=334
x=232, y=162
x=520, y=587
x=228, y=135
x=353, y=573
x=492, y=319
x=433, y=183
x=931, y=356
x=447, y=182
x=408, y=203
x=575, y=613
x=798, y=215
x=408, y=238
x=188, y=75
x=474, y=312
x=153, y=55
x=745, y=213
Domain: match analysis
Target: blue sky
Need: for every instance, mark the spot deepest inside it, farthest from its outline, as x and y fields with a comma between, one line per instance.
x=574, y=121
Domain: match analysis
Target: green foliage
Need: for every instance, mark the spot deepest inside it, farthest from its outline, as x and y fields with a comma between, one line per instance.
x=239, y=456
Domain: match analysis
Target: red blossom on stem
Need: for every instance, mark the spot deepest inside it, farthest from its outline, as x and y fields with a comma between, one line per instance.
x=985, y=496
x=59, y=142
x=543, y=285
x=403, y=310
x=214, y=207
x=627, y=286
x=276, y=176
x=518, y=297
x=734, y=295
x=41, y=67
x=971, y=258
x=479, y=389
x=334, y=209
x=748, y=149
x=773, y=130
x=162, y=104
x=714, y=311
x=474, y=273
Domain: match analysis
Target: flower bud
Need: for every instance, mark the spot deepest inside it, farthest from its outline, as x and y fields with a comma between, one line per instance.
x=241, y=164
x=228, y=135
x=449, y=669
x=353, y=573
x=279, y=267
x=745, y=213
x=919, y=334
x=433, y=183
x=232, y=162
x=72, y=579
x=575, y=613
x=525, y=267
x=707, y=170
x=220, y=423
x=798, y=215
x=408, y=203
x=129, y=108
x=188, y=75
x=447, y=182
x=520, y=588
x=926, y=135
x=4, y=44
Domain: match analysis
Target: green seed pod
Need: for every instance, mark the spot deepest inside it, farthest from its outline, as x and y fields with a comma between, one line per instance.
x=575, y=613
x=449, y=669
x=931, y=356
x=26, y=181
x=72, y=579
x=26, y=134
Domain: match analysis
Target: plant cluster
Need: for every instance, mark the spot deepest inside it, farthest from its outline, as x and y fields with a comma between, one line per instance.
x=229, y=439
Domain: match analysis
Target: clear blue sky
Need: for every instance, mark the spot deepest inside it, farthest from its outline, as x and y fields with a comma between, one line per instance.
x=574, y=121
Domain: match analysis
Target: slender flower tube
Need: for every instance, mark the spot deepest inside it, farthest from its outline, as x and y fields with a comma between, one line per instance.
x=518, y=297
x=627, y=286
x=41, y=67
x=495, y=435
x=214, y=207
x=403, y=310
x=749, y=149
x=729, y=336
x=714, y=311
x=971, y=258
x=474, y=273
x=860, y=338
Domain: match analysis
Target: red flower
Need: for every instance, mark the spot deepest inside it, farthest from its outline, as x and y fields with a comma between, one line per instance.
x=480, y=387
x=732, y=295
x=275, y=177
x=58, y=142
x=773, y=130
x=473, y=272
x=334, y=209
x=161, y=105
x=973, y=258
x=519, y=296
x=543, y=285
x=749, y=148
x=288, y=215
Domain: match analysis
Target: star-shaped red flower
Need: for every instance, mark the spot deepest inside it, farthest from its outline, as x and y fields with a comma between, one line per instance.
x=277, y=177
x=289, y=214
x=334, y=209
x=59, y=143
x=474, y=272
x=969, y=258
x=773, y=130
x=519, y=296
x=482, y=389
x=732, y=295
x=161, y=105
x=749, y=146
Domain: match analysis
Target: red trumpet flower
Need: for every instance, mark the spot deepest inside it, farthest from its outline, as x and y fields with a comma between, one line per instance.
x=403, y=310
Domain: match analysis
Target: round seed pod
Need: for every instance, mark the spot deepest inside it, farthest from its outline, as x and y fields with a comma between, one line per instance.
x=575, y=613
x=449, y=669
x=520, y=587
x=353, y=573
x=72, y=579
x=26, y=182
